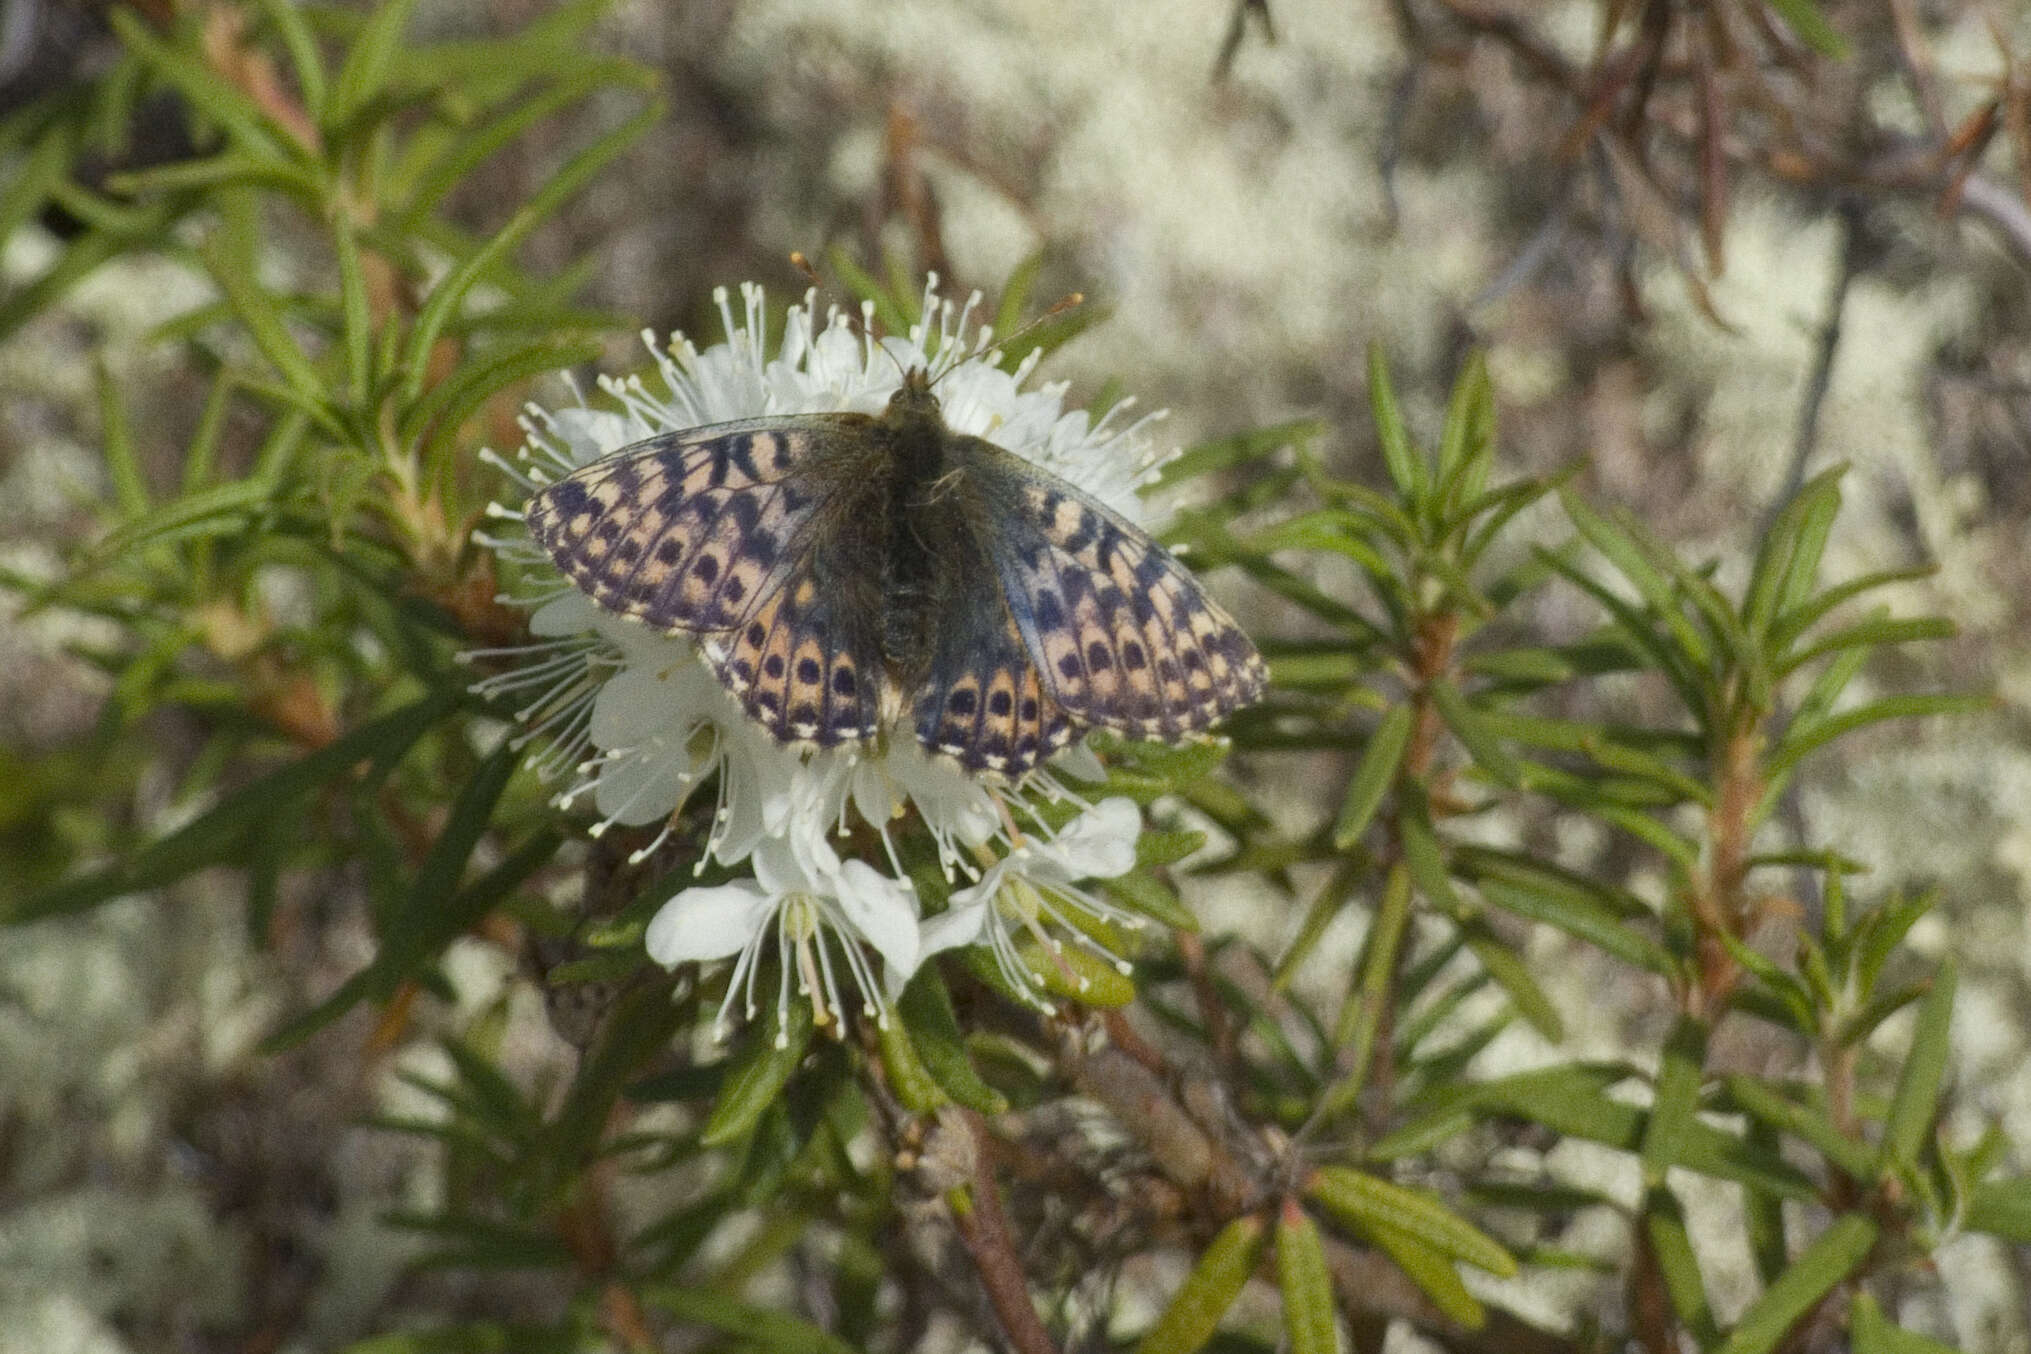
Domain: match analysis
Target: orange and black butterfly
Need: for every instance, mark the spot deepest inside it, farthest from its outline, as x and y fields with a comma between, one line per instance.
x=842, y=569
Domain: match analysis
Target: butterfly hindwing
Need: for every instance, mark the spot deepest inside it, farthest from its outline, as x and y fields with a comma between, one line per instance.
x=689, y=531
x=804, y=663
x=1123, y=635
x=983, y=702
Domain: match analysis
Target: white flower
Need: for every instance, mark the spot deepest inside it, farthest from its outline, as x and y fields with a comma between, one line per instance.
x=1037, y=881
x=633, y=722
x=820, y=910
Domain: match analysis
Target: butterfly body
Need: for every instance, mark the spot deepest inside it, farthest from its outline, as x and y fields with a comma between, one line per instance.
x=847, y=572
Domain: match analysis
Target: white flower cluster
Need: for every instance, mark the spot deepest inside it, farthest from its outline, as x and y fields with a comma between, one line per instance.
x=631, y=719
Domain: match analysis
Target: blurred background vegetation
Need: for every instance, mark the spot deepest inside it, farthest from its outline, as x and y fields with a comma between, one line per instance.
x=1709, y=251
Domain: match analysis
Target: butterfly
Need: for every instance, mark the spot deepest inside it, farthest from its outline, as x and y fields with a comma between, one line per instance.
x=843, y=571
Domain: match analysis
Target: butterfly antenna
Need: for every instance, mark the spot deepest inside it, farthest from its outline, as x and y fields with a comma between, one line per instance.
x=858, y=318
x=1069, y=301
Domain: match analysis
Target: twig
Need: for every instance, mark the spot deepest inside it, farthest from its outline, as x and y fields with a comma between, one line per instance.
x=983, y=1227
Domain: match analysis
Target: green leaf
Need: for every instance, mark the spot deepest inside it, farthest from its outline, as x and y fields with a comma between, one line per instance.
x=1800, y=741
x=907, y=1076
x=1790, y=550
x=301, y=45
x=1808, y=1123
x=1812, y=27
x=2002, y=1208
x=1362, y=1014
x=218, y=835
x=367, y=64
x=762, y=1069
x=257, y=311
x=1229, y=452
x=445, y=298
x=1872, y=1332
x=211, y=97
x=1363, y=1200
x=1468, y=431
x=1474, y=732
x=1836, y=1254
x=926, y=1007
x=1677, y=1101
x=1209, y=1290
x=1406, y=467
x=1432, y=1271
x=1373, y=776
x=766, y=1327
x=1308, y=1314
x=1916, y=1102
x=1677, y=1264
x=1140, y=891
x=1507, y=968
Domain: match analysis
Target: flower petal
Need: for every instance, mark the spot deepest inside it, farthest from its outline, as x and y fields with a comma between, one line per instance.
x=959, y=924
x=883, y=911
x=1099, y=843
x=708, y=923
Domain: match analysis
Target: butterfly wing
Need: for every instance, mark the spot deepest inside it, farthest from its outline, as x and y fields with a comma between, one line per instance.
x=718, y=531
x=1122, y=634
x=982, y=700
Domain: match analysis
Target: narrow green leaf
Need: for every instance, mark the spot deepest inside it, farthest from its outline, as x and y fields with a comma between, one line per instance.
x=367, y=63
x=764, y=1327
x=1796, y=620
x=216, y=836
x=1308, y=1313
x=1677, y=1264
x=1812, y=27
x=1798, y=743
x=2002, y=1208
x=446, y=297
x=1332, y=896
x=1373, y=776
x=418, y=920
x=468, y=152
x=926, y=1007
x=1406, y=467
x=1363, y=1199
x=1874, y=633
x=130, y=486
x=1581, y=918
x=1468, y=430
x=1507, y=968
x=1916, y=1102
x=1209, y=1290
x=1672, y=1112
x=1835, y=1255
x=1227, y=453
x=1142, y=892
x=762, y=1069
x=257, y=311
x=1809, y=1124
x=1361, y=1015
x=218, y=100
x=1790, y=547
x=356, y=327
x=1432, y=1271
x=301, y=44
x=1872, y=1332
x=1474, y=732
x=909, y=1080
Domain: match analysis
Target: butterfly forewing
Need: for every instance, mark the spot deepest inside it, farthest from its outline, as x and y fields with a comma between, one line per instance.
x=690, y=531
x=716, y=532
x=1123, y=635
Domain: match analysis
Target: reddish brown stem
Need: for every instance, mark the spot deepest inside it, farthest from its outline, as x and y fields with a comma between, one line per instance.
x=983, y=1227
